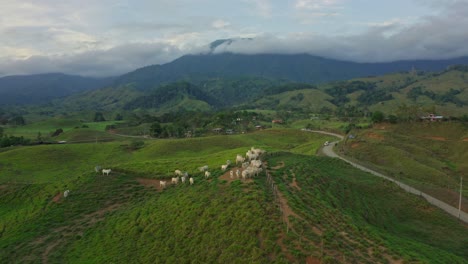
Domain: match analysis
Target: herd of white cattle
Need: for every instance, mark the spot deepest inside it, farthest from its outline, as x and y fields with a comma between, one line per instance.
x=246, y=167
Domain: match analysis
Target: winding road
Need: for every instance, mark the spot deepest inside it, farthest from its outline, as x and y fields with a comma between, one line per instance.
x=328, y=151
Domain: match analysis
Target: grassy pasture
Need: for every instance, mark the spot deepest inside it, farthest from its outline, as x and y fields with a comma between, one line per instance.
x=50, y=125
x=428, y=156
x=343, y=214
x=49, y=163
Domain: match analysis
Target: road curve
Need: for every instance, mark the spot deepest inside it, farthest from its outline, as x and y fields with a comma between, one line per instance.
x=328, y=151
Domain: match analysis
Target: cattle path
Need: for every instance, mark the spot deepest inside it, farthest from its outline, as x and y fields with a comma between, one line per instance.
x=328, y=151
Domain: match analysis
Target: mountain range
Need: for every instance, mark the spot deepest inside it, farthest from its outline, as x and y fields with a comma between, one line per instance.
x=260, y=72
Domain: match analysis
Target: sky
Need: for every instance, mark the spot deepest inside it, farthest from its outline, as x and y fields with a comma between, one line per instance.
x=111, y=37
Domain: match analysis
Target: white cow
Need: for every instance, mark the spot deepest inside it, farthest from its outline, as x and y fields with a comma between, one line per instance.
x=106, y=171
x=203, y=168
x=245, y=174
x=237, y=173
x=239, y=159
x=175, y=180
x=162, y=184
x=231, y=174
x=224, y=167
x=183, y=178
x=256, y=163
x=66, y=193
x=191, y=180
x=245, y=165
x=178, y=172
x=207, y=174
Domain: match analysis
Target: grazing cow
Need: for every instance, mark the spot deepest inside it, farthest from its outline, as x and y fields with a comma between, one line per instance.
x=65, y=193
x=162, y=184
x=245, y=165
x=183, y=179
x=106, y=171
x=224, y=167
x=239, y=159
x=191, y=180
x=245, y=174
x=175, y=180
x=178, y=172
x=256, y=171
x=203, y=168
x=231, y=174
x=237, y=173
x=256, y=163
x=207, y=174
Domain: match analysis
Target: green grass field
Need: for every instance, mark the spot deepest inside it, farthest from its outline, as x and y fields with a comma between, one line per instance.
x=344, y=215
x=340, y=214
x=428, y=156
x=48, y=126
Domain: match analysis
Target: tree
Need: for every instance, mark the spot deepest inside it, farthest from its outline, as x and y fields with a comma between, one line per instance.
x=57, y=132
x=136, y=144
x=99, y=117
x=377, y=117
x=156, y=129
x=393, y=119
x=118, y=117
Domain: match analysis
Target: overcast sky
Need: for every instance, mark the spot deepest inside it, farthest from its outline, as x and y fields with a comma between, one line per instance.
x=109, y=37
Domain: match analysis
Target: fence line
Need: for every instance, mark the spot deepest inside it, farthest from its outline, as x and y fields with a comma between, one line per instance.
x=274, y=189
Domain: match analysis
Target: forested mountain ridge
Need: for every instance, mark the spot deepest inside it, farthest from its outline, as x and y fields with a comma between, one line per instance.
x=303, y=68
x=39, y=88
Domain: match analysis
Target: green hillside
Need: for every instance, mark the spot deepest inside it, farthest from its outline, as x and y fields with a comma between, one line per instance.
x=445, y=93
x=309, y=100
x=330, y=213
x=429, y=156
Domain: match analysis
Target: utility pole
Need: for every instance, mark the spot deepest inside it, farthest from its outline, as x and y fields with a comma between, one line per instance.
x=460, y=201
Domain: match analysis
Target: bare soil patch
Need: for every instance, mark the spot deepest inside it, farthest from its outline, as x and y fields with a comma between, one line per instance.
x=375, y=136
x=465, y=140
x=287, y=211
x=284, y=249
x=312, y=260
x=155, y=183
x=227, y=176
x=436, y=138
x=354, y=145
x=294, y=183
x=57, y=198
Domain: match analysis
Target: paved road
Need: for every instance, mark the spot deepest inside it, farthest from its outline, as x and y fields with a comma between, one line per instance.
x=328, y=151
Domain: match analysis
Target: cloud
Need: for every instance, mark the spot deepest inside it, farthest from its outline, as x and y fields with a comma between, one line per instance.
x=117, y=60
x=434, y=37
x=110, y=37
x=220, y=24
x=309, y=11
x=262, y=7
